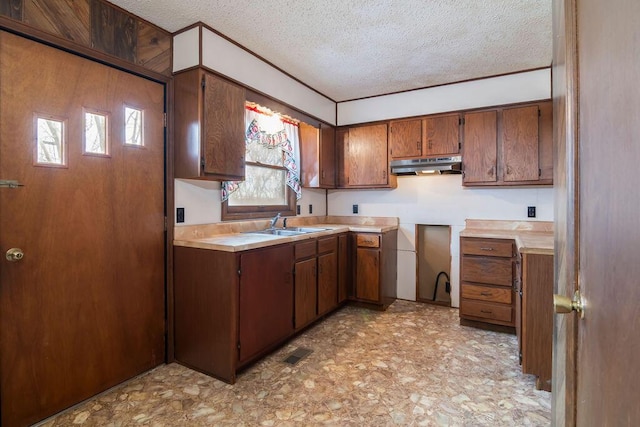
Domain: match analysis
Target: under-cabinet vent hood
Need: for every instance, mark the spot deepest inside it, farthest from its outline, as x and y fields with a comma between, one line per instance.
x=426, y=166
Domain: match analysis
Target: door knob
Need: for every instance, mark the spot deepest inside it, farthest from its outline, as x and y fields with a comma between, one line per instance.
x=14, y=254
x=562, y=304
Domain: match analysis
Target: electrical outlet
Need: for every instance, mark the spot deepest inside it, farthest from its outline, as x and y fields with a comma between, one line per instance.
x=355, y=209
x=531, y=211
x=180, y=215
x=310, y=209
x=297, y=209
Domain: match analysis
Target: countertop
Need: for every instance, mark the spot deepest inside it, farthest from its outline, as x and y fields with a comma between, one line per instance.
x=531, y=237
x=237, y=236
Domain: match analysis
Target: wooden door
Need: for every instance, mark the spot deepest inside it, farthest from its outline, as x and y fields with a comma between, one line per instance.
x=368, y=274
x=305, y=292
x=309, y=154
x=596, y=369
x=405, y=139
x=84, y=309
x=327, y=282
x=442, y=135
x=480, y=147
x=265, y=299
x=367, y=162
x=520, y=151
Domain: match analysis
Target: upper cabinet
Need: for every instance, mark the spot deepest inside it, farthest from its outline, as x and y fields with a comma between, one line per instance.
x=208, y=127
x=508, y=146
x=424, y=137
x=318, y=154
x=363, y=157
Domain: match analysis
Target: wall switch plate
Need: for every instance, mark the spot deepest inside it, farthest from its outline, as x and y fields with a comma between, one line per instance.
x=531, y=211
x=297, y=209
x=355, y=209
x=310, y=209
x=180, y=215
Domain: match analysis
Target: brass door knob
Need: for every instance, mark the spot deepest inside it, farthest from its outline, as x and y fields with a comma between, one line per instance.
x=562, y=304
x=14, y=254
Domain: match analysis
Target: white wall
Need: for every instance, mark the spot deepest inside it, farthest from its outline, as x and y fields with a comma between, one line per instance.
x=439, y=200
x=509, y=89
x=201, y=201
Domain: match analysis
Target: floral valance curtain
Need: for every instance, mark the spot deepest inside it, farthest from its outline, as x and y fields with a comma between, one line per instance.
x=272, y=140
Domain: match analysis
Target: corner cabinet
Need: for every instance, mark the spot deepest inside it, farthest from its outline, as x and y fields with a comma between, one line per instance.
x=363, y=160
x=208, y=127
x=425, y=137
x=375, y=268
x=488, y=274
x=508, y=146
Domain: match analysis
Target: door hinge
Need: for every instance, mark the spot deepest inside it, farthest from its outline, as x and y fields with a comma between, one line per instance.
x=165, y=223
x=539, y=113
x=202, y=162
x=539, y=173
x=164, y=119
x=459, y=146
x=238, y=346
x=462, y=120
x=239, y=272
x=203, y=83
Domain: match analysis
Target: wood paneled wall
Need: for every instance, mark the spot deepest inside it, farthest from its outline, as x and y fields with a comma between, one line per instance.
x=98, y=25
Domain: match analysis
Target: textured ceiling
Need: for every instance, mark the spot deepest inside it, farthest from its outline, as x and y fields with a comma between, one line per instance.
x=350, y=49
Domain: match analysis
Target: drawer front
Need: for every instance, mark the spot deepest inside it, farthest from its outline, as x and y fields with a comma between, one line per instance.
x=494, y=271
x=305, y=249
x=486, y=293
x=327, y=244
x=486, y=247
x=368, y=240
x=484, y=310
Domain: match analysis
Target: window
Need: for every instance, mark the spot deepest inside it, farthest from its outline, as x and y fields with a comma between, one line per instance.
x=133, y=127
x=272, y=179
x=96, y=137
x=51, y=146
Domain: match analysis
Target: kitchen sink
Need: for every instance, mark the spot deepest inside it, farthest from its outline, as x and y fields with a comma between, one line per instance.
x=293, y=231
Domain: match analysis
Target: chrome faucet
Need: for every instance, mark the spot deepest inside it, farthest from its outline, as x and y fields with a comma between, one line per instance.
x=274, y=220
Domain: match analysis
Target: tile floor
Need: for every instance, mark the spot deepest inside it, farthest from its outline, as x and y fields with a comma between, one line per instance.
x=413, y=365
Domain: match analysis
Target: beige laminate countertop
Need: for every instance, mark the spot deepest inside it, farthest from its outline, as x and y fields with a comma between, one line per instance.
x=238, y=236
x=531, y=237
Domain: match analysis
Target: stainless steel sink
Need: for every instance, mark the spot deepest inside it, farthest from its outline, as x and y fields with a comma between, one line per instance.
x=293, y=231
x=307, y=229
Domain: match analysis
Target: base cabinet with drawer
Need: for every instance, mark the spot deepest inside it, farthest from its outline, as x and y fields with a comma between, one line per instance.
x=487, y=273
x=375, y=268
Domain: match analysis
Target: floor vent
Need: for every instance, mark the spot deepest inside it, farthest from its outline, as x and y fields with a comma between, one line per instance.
x=297, y=355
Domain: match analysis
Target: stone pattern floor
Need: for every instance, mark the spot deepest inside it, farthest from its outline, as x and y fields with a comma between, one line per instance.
x=413, y=365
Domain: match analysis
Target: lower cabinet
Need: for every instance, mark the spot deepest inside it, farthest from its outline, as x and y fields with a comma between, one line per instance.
x=487, y=272
x=306, y=287
x=375, y=268
x=327, y=274
x=231, y=307
x=535, y=327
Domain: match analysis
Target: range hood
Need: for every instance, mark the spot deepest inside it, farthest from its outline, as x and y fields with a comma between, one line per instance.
x=425, y=166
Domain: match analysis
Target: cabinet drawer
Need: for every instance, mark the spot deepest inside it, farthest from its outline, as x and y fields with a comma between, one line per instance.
x=486, y=310
x=487, y=247
x=305, y=249
x=494, y=271
x=368, y=240
x=486, y=293
x=327, y=244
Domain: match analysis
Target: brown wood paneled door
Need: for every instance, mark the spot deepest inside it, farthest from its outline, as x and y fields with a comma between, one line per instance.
x=520, y=144
x=405, y=138
x=83, y=310
x=442, y=135
x=480, y=155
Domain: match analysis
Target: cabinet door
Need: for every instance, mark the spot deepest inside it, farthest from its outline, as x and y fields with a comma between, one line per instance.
x=223, y=143
x=265, y=299
x=327, y=282
x=480, y=147
x=442, y=135
x=368, y=274
x=520, y=144
x=405, y=139
x=367, y=163
x=342, y=154
x=327, y=156
x=305, y=292
x=310, y=155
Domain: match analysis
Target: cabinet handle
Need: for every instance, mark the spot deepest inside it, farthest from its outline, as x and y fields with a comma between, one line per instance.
x=485, y=294
x=384, y=174
x=430, y=145
x=322, y=174
x=508, y=170
x=492, y=171
x=418, y=145
x=486, y=249
x=486, y=311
